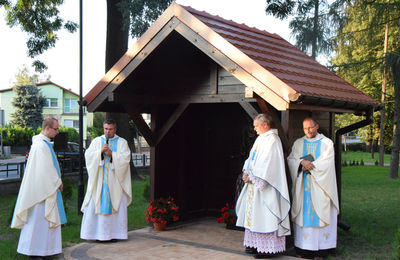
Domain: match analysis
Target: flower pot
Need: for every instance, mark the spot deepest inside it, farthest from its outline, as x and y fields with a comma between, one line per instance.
x=158, y=226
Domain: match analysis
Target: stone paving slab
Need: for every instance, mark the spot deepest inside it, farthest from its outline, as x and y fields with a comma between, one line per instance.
x=204, y=239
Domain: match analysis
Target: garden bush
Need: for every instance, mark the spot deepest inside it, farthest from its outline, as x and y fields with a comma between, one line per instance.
x=17, y=136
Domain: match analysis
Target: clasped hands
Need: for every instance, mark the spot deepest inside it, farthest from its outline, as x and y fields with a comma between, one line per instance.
x=246, y=178
x=307, y=165
x=105, y=149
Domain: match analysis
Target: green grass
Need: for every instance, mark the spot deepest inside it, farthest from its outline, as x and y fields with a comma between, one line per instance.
x=371, y=206
x=71, y=230
x=366, y=157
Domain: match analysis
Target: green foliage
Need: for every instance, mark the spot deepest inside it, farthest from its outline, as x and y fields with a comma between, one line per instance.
x=139, y=15
x=41, y=20
x=311, y=25
x=73, y=135
x=97, y=129
x=23, y=77
x=28, y=104
x=17, y=136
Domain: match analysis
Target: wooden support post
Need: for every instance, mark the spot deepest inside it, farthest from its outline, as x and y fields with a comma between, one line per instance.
x=282, y=134
x=171, y=121
x=140, y=123
x=250, y=110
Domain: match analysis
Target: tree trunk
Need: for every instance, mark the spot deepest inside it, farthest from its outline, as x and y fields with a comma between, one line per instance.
x=116, y=46
x=117, y=34
x=382, y=122
x=394, y=161
x=315, y=29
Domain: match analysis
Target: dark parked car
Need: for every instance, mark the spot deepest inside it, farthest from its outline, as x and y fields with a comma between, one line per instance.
x=69, y=157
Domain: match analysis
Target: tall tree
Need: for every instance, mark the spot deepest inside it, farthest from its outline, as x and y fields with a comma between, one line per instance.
x=41, y=20
x=23, y=77
x=311, y=24
x=28, y=104
x=124, y=17
x=360, y=51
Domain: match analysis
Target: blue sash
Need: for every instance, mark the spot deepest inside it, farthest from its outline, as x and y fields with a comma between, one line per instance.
x=310, y=218
x=105, y=201
x=60, y=204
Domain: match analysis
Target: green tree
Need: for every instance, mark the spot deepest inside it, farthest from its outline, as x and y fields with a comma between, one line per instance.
x=23, y=77
x=41, y=21
x=311, y=23
x=97, y=129
x=124, y=16
x=360, y=51
x=28, y=104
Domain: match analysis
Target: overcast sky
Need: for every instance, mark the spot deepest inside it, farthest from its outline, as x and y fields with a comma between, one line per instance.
x=63, y=59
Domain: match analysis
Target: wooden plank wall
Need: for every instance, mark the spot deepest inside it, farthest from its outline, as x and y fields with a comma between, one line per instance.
x=228, y=84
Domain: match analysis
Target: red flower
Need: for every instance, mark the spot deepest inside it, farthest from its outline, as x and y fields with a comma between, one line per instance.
x=228, y=215
x=162, y=210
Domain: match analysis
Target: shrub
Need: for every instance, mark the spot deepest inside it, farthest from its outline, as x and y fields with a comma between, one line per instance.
x=73, y=135
x=17, y=136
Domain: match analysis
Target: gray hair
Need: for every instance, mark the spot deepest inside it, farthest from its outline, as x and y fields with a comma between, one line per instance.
x=48, y=122
x=264, y=118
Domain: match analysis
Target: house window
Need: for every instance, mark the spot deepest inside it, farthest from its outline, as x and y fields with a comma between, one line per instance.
x=70, y=105
x=72, y=123
x=51, y=103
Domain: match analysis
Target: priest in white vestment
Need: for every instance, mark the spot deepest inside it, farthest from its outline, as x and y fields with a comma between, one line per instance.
x=108, y=192
x=263, y=204
x=39, y=210
x=315, y=204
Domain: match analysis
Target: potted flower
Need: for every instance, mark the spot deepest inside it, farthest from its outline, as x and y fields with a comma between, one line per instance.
x=162, y=211
x=228, y=216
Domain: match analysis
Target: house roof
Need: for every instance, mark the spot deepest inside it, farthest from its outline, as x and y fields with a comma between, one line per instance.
x=42, y=84
x=52, y=83
x=266, y=63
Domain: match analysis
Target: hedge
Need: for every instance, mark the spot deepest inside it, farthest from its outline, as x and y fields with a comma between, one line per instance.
x=17, y=136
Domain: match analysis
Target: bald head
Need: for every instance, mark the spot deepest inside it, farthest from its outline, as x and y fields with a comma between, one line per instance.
x=310, y=127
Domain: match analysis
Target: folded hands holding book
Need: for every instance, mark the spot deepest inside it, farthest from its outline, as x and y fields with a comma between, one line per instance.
x=306, y=163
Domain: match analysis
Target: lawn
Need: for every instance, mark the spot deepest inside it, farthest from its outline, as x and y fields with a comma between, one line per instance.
x=370, y=205
x=366, y=157
x=71, y=231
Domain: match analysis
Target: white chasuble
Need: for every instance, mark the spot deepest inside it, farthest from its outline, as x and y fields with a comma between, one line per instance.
x=315, y=202
x=264, y=205
x=38, y=210
x=108, y=192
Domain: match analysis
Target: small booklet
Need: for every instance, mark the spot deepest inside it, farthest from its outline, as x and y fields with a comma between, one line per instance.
x=307, y=157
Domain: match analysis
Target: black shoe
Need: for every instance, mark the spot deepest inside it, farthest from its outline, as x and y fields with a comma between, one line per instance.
x=250, y=250
x=262, y=255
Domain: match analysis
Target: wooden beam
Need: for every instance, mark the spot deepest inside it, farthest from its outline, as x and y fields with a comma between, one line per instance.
x=285, y=121
x=171, y=121
x=238, y=64
x=213, y=77
x=320, y=108
x=178, y=99
x=138, y=57
x=250, y=110
x=140, y=123
x=282, y=134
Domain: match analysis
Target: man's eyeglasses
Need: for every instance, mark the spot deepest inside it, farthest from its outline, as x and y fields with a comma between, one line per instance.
x=54, y=128
x=309, y=128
